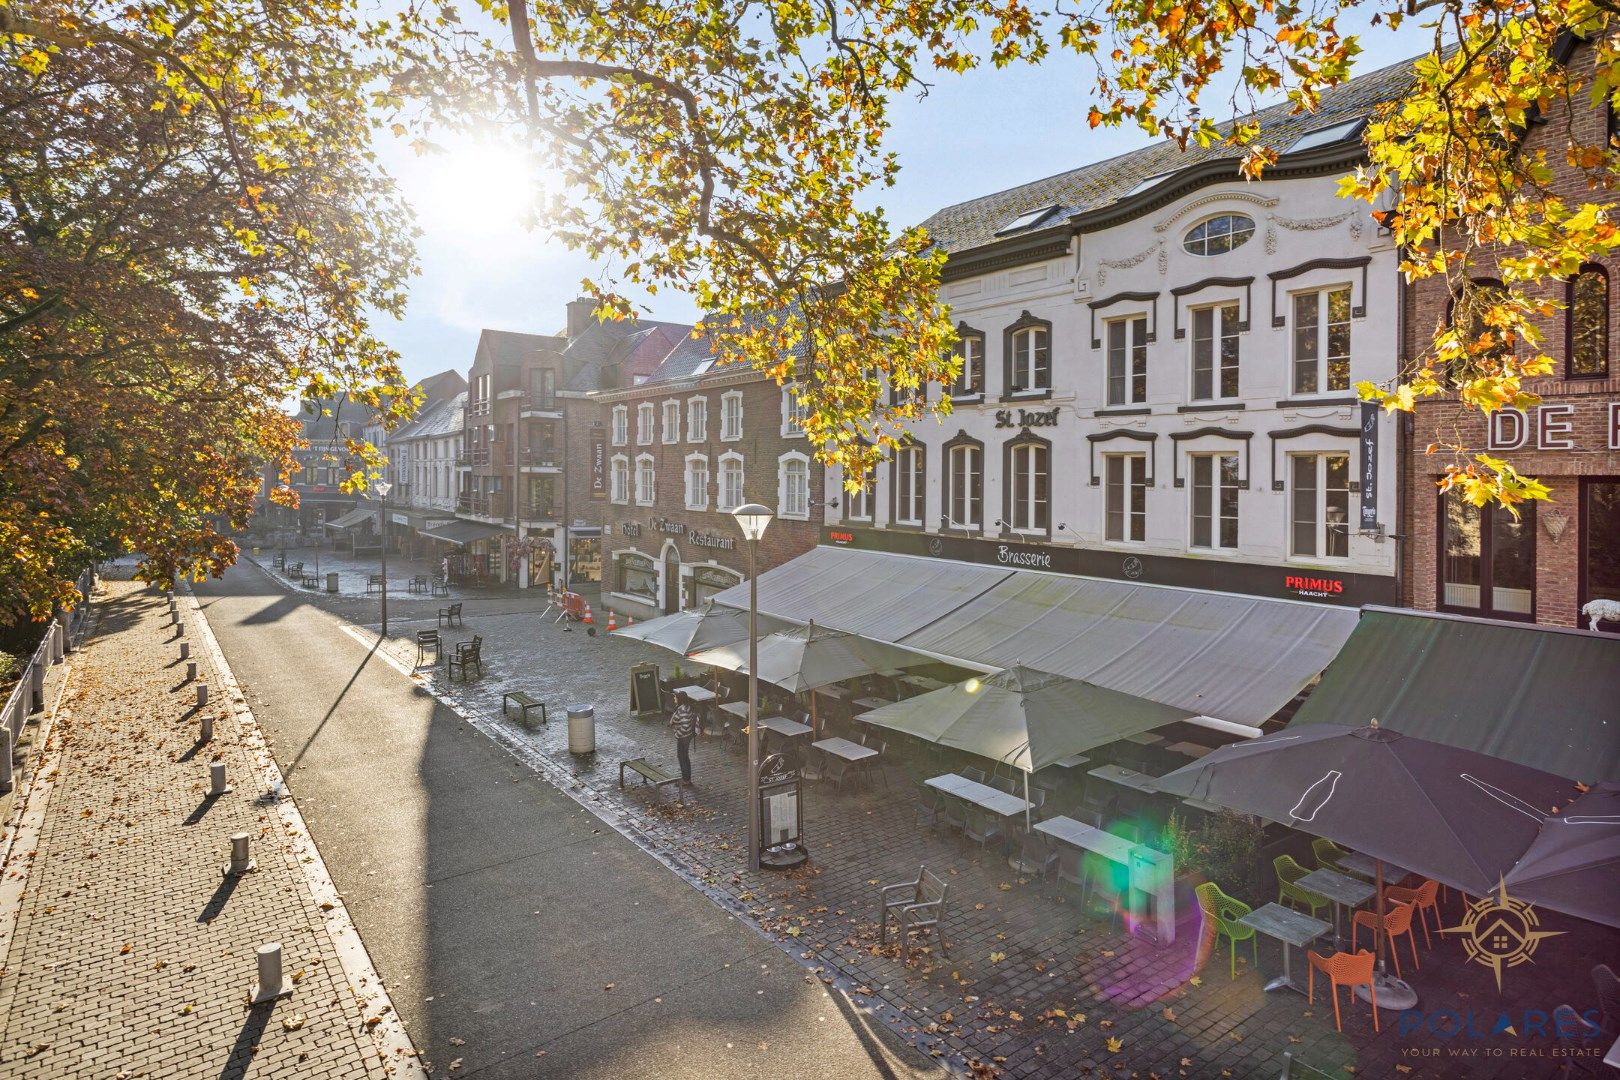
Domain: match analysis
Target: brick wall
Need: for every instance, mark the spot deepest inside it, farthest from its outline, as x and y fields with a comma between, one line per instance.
x=1587, y=414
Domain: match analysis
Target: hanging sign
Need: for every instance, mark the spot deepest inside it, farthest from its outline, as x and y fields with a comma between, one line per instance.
x=1369, y=464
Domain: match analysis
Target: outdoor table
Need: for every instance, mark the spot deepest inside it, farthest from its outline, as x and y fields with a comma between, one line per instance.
x=1190, y=749
x=1073, y=761
x=867, y=704
x=981, y=795
x=789, y=729
x=698, y=695
x=1118, y=774
x=739, y=709
x=1613, y=1056
x=1292, y=929
x=834, y=691
x=923, y=682
x=1145, y=738
x=1339, y=888
x=1365, y=866
x=843, y=748
x=1078, y=834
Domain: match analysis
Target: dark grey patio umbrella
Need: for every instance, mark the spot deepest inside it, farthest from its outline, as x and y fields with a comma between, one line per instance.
x=1460, y=817
x=1573, y=864
x=688, y=631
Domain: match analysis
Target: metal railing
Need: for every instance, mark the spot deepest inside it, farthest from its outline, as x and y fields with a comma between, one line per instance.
x=28, y=696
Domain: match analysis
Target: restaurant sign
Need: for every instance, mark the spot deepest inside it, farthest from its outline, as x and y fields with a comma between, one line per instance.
x=1252, y=579
x=1549, y=426
x=598, y=464
x=711, y=540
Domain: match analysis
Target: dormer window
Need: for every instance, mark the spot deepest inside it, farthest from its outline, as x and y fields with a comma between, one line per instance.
x=1028, y=220
x=1218, y=235
x=1325, y=136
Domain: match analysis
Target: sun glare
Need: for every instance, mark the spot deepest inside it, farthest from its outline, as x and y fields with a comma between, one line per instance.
x=477, y=189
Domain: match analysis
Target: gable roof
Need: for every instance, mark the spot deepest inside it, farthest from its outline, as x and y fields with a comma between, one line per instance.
x=1107, y=184
x=606, y=352
x=508, y=348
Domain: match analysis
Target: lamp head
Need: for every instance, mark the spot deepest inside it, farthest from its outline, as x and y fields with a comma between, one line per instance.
x=382, y=488
x=752, y=519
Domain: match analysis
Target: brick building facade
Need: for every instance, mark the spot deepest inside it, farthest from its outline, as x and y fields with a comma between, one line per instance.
x=1564, y=553
x=679, y=452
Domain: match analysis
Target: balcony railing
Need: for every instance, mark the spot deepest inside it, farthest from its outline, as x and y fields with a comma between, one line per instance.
x=533, y=402
x=539, y=511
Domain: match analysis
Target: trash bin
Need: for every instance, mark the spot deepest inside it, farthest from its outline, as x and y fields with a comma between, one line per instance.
x=331, y=582
x=581, y=729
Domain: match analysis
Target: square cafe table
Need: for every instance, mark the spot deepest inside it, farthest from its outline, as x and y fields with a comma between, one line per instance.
x=1339, y=888
x=1078, y=834
x=981, y=795
x=789, y=729
x=1289, y=927
x=700, y=695
x=1118, y=774
x=1365, y=866
x=739, y=709
x=867, y=704
x=843, y=748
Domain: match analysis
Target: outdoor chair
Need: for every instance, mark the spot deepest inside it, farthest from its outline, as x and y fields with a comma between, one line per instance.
x=1069, y=869
x=928, y=809
x=1328, y=855
x=1223, y=912
x=976, y=774
x=1288, y=891
x=952, y=812
x=441, y=587
x=1295, y=1069
x=1102, y=875
x=1425, y=899
x=450, y=616
x=1343, y=969
x=877, y=765
x=917, y=905
x=1037, y=799
x=1003, y=783
x=1095, y=806
x=1608, y=991
x=1397, y=921
x=425, y=640
x=468, y=654
x=1573, y=1029
x=836, y=771
x=982, y=827
x=1034, y=850
x=814, y=766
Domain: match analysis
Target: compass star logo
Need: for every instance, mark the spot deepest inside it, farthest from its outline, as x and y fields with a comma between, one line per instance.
x=1500, y=932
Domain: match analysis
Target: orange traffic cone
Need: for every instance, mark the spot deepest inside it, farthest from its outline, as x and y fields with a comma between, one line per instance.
x=629, y=620
x=613, y=622
x=587, y=620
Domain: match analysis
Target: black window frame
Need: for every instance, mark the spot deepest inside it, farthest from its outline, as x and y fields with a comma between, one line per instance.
x=1487, y=543
x=1569, y=323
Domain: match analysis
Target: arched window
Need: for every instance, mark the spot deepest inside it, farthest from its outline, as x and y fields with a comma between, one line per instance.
x=1219, y=235
x=1588, y=324
x=1466, y=311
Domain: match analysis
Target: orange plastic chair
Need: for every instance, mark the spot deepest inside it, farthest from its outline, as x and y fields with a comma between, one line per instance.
x=1344, y=970
x=1397, y=921
x=1426, y=899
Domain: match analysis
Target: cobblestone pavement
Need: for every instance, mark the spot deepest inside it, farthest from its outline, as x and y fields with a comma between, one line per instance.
x=131, y=954
x=1033, y=986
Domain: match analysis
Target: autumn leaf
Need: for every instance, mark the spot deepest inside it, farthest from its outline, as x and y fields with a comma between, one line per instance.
x=1115, y=1045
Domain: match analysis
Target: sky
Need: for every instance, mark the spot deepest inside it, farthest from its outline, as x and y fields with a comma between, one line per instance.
x=972, y=135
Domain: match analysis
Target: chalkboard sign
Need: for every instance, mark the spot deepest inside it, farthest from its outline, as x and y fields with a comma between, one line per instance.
x=644, y=697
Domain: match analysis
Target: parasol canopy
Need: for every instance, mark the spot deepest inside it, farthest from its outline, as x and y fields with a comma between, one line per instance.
x=1573, y=865
x=805, y=657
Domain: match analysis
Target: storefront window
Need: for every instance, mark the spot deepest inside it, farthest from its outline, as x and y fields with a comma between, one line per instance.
x=707, y=581
x=1600, y=546
x=585, y=560
x=637, y=575
x=1487, y=559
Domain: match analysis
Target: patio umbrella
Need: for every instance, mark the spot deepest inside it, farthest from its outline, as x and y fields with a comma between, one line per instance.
x=1573, y=864
x=1025, y=718
x=1458, y=816
x=692, y=630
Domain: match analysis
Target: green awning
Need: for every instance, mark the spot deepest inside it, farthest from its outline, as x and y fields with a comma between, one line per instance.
x=1542, y=696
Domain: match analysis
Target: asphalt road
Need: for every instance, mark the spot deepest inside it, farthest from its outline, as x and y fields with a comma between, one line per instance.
x=516, y=931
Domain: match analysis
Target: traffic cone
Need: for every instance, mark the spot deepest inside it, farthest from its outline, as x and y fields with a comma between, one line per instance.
x=629, y=620
x=587, y=620
x=613, y=621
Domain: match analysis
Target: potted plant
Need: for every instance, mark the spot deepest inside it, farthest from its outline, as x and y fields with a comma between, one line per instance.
x=1222, y=847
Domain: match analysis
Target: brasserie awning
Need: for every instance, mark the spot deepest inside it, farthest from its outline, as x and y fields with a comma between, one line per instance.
x=462, y=532
x=1543, y=696
x=1233, y=657
x=353, y=518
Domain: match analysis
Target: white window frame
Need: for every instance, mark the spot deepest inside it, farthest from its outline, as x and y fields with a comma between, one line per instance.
x=725, y=414
x=672, y=420
x=646, y=420
x=972, y=361
x=861, y=503
x=1217, y=490
x=784, y=508
x=1026, y=509
x=697, y=419
x=1323, y=338
x=621, y=425
x=646, y=493
x=701, y=502
x=726, y=459
x=619, y=480
x=1019, y=386
x=1320, y=495
x=1133, y=344
x=1132, y=479
x=910, y=471
x=1218, y=332
x=971, y=482
x=793, y=414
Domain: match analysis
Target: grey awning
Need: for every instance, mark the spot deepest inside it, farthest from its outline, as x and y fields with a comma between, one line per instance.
x=1541, y=696
x=462, y=532
x=1238, y=658
x=353, y=518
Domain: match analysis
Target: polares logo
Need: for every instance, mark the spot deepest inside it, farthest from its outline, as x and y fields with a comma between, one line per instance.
x=1500, y=932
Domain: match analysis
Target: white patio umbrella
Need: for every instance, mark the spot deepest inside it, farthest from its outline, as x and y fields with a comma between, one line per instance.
x=691, y=630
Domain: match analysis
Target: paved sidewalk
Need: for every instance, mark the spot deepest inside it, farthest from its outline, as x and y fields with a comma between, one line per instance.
x=130, y=954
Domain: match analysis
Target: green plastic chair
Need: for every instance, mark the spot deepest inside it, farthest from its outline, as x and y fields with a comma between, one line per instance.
x=1328, y=855
x=1225, y=911
x=1288, y=873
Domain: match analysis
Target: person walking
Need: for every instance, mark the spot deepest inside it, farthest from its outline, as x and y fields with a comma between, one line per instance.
x=683, y=721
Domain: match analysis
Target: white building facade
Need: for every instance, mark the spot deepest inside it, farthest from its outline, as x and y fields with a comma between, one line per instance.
x=1159, y=383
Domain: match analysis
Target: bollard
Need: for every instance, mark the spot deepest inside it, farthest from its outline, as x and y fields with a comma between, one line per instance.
x=216, y=772
x=5, y=758
x=240, y=862
x=269, y=986
x=202, y=693
x=37, y=681
x=191, y=671
x=206, y=732
x=185, y=649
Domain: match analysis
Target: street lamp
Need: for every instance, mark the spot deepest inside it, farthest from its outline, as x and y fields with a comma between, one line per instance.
x=383, y=487
x=752, y=518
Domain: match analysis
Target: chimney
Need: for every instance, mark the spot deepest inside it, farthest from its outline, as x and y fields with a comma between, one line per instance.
x=580, y=315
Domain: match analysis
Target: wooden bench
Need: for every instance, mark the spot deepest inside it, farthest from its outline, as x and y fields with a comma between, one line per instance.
x=915, y=905
x=651, y=774
x=524, y=702
x=468, y=654
x=311, y=581
x=417, y=584
x=451, y=616
x=441, y=587
x=376, y=582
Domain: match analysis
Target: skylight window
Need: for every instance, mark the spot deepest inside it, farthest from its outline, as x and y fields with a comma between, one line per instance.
x=1027, y=220
x=702, y=367
x=1147, y=182
x=1323, y=136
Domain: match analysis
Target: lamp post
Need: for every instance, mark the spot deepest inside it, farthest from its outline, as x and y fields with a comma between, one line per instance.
x=752, y=519
x=383, y=487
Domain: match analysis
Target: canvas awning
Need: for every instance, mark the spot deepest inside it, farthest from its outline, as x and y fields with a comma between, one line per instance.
x=1542, y=696
x=462, y=532
x=1236, y=658
x=353, y=518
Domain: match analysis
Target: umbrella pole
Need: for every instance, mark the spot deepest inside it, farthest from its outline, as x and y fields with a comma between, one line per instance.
x=1378, y=883
x=1026, y=801
x=815, y=724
